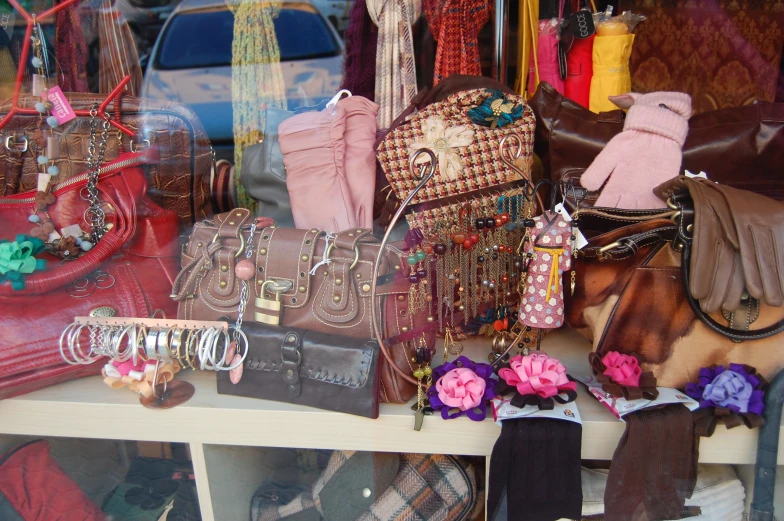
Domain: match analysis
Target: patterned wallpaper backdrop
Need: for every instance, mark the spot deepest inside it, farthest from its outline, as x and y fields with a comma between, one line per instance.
x=724, y=53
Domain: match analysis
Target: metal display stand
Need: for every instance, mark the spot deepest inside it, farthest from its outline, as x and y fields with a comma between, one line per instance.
x=501, y=30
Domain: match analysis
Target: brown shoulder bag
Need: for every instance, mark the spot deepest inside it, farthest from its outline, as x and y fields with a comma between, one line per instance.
x=633, y=295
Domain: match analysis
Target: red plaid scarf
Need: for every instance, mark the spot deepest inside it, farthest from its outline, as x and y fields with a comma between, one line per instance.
x=455, y=25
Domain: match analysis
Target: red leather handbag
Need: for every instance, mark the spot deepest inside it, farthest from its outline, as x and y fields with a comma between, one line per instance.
x=33, y=487
x=129, y=273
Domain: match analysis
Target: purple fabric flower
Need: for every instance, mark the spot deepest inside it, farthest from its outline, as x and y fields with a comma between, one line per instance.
x=463, y=382
x=737, y=389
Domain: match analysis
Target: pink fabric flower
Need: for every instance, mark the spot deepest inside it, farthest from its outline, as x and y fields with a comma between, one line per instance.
x=461, y=388
x=537, y=374
x=622, y=369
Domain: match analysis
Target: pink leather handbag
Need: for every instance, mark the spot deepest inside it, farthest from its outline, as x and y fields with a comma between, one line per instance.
x=330, y=164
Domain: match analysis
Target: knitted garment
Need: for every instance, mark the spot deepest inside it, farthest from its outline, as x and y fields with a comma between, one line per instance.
x=256, y=78
x=71, y=49
x=396, y=82
x=455, y=25
x=654, y=468
x=359, y=75
x=535, y=471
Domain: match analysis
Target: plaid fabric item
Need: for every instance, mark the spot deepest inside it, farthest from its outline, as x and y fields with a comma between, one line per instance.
x=426, y=488
x=473, y=166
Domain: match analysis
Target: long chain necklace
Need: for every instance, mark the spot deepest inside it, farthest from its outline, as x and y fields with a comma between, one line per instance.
x=94, y=215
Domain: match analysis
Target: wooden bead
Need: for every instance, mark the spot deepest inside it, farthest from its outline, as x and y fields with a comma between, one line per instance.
x=245, y=270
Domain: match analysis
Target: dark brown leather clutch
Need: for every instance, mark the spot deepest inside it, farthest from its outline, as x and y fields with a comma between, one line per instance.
x=287, y=364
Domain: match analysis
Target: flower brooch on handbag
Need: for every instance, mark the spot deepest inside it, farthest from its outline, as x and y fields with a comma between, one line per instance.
x=734, y=394
x=495, y=111
x=622, y=377
x=536, y=379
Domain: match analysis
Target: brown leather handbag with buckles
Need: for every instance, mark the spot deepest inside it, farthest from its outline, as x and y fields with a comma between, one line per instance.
x=305, y=279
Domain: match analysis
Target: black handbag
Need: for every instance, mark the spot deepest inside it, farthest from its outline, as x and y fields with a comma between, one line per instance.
x=287, y=364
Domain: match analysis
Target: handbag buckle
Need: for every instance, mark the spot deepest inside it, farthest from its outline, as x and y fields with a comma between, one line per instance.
x=18, y=146
x=328, y=253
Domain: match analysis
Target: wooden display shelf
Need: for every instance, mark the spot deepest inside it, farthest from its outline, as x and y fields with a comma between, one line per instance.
x=86, y=408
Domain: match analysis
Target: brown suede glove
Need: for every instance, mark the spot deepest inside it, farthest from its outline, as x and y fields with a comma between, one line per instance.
x=759, y=222
x=716, y=275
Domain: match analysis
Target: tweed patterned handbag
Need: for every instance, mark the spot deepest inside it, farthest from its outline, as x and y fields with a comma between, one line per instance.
x=366, y=486
x=465, y=132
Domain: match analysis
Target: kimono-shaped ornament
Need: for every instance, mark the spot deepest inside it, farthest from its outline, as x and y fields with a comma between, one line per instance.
x=548, y=257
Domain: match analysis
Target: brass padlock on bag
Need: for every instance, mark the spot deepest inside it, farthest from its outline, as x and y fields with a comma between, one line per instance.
x=268, y=311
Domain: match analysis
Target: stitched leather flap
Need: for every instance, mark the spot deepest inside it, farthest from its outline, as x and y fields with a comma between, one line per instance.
x=332, y=359
x=286, y=256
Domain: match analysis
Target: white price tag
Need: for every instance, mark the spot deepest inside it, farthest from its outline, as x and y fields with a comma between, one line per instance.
x=72, y=231
x=580, y=241
x=620, y=407
x=43, y=182
x=503, y=410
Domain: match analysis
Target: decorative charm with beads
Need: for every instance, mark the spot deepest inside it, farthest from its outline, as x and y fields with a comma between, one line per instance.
x=424, y=375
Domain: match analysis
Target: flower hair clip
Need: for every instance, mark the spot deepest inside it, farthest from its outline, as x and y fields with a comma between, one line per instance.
x=462, y=387
x=622, y=377
x=537, y=380
x=734, y=394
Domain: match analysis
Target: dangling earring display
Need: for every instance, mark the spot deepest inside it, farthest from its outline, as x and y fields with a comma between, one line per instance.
x=423, y=373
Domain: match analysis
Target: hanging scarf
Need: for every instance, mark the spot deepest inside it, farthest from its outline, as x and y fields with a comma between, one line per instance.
x=118, y=56
x=70, y=49
x=396, y=82
x=361, y=41
x=256, y=78
x=455, y=24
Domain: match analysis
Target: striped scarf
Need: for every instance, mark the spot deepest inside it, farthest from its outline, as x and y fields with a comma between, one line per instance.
x=396, y=82
x=455, y=24
x=118, y=56
x=256, y=78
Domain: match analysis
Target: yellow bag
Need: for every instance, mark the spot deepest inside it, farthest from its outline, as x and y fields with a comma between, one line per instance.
x=610, y=70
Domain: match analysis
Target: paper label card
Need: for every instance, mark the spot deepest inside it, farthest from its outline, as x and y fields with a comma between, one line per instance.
x=503, y=410
x=61, y=109
x=620, y=407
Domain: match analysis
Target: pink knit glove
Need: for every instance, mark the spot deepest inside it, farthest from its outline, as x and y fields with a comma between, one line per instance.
x=646, y=154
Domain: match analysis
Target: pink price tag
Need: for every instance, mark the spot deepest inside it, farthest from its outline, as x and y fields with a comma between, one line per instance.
x=61, y=109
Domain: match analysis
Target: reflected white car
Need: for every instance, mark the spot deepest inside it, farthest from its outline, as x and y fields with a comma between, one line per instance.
x=191, y=61
x=336, y=11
